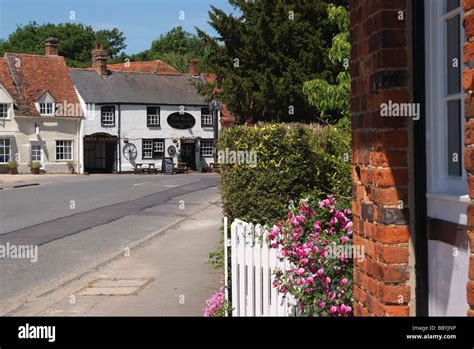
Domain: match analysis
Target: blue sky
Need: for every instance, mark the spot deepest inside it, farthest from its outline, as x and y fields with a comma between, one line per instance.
x=140, y=20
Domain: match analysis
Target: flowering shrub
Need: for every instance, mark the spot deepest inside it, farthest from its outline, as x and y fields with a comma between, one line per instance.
x=216, y=306
x=319, y=279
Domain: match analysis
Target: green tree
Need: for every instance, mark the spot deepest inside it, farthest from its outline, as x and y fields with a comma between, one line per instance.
x=262, y=57
x=331, y=98
x=76, y=41
x=175, y=48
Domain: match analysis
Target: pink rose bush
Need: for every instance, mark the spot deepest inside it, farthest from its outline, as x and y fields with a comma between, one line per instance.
x=216, y=306
x=319, y=280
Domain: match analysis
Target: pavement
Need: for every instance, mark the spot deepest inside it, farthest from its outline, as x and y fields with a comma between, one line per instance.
x=168, y=275
x=81, y=223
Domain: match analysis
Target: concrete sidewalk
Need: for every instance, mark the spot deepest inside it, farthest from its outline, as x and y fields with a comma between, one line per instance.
x=167, y=275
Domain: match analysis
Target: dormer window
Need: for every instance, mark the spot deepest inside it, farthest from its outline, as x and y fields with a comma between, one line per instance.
x=4, y=110
x=46, y=105
x=46, y=108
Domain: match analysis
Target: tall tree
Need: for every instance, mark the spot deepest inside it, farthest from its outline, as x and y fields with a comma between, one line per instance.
x=262, y=57
x=75, y=41
x=175, y=48
x=333, y=100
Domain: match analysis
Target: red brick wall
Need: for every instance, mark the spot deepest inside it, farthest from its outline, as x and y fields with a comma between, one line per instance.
x=468, y=84
x=379, y=69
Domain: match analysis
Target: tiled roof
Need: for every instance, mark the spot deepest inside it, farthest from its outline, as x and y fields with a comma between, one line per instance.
x=141, y=88
x=27, y=77
x=7, y=82
x=152, y=67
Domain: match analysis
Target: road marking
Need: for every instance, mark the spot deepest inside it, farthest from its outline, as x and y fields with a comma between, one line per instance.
x=138, y=184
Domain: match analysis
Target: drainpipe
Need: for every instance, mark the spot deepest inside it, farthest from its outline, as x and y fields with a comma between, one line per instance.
x=119, y=138
x=80, y=154
x=215, y=108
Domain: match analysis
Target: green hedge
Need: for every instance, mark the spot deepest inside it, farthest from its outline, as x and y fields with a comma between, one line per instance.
x=292, y=161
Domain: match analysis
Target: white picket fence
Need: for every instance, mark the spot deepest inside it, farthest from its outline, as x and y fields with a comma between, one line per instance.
x=252, y=266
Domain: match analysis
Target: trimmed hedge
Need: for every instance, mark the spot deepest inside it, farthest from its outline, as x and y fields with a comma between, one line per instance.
x=293, y=160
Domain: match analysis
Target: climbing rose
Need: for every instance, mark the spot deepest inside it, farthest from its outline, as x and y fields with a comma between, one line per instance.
x=319, y=281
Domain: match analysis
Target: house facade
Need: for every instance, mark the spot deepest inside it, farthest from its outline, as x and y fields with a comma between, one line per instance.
x=413, y=166
x=40, y=113
x=140, y=113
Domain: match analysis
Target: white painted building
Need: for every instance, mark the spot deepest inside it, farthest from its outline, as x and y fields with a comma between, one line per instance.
x=140, y=118
x=40, y=113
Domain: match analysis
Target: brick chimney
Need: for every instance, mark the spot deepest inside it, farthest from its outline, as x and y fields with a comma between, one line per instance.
x=51, y=47
x=193, y=67
x=99, y=59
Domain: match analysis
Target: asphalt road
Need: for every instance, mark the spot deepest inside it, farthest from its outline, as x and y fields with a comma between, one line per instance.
x=76, y=224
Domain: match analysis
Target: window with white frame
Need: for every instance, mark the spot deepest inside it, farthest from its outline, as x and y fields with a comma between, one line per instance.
x=5, y=150
x=4, y=110
x=63, y=150
x=46, y=108
x=107, y=116
x=207, y=147
x=153, y=148
x=153, y=116
x=446, y=177
x=36, y=153
x=206, y=117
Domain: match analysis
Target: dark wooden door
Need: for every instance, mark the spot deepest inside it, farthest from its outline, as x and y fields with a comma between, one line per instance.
x=188, y=154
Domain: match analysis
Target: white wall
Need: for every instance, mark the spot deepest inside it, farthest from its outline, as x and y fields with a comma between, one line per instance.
x=22, y=132
x=447, y=274
x=134, y=128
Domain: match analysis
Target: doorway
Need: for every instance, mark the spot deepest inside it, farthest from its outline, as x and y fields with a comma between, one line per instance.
x=188, y=154
x=100, y=153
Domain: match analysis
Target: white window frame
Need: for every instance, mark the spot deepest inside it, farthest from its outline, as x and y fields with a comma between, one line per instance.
x=7, y=116
x=447, y=197
x=153, y=146
x=9, y=147
x=206, y=119
x=36, y=144
x=107, y=119
x=147, y=151
x=64, y=147
x=46, y=108
x=153, y=120
x=206, y=150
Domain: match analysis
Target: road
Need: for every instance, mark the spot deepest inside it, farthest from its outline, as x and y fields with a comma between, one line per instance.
x=78, y=224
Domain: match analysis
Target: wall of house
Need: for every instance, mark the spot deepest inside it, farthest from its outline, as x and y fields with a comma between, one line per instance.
x=22, y=131
x=468, y=84
x=384, y=280
x=134, y=128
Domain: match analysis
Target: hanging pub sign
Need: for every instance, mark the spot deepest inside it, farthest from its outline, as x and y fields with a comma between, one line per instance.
x=181, y=121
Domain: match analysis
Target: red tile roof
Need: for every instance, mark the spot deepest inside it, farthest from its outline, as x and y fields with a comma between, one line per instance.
x=150, y=67
x=7, y=82
x=27, y=77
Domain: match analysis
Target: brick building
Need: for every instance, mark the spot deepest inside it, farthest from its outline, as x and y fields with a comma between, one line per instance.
x=413, y=156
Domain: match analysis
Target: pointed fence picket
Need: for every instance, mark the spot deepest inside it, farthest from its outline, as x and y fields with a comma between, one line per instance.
x=252, y=263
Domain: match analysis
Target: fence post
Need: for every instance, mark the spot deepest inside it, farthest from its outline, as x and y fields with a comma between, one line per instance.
x=226, y=262
x=257, y=260
x=234, y=268
x=242, y=282
x=249, y=240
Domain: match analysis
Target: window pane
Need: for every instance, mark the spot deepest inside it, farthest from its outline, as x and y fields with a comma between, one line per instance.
x=5, y=150
x=3, y=110
x=451, y=5
x=35, y=153
x=454, y=138
x=454, y=55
